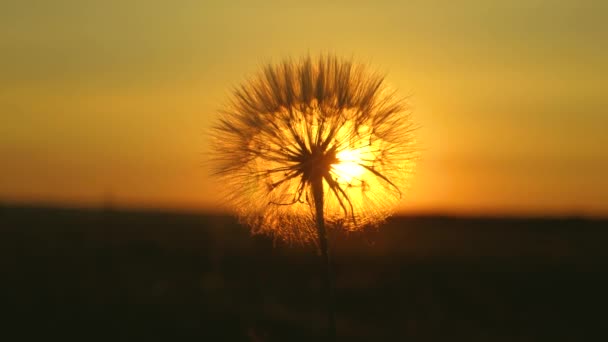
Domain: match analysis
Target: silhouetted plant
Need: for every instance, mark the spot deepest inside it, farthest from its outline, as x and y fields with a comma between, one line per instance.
x=310, y=143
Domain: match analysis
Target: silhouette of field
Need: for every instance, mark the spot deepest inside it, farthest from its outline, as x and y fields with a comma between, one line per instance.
x=105, y=275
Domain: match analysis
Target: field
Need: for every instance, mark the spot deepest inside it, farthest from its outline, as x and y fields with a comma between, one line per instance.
x=109, y=275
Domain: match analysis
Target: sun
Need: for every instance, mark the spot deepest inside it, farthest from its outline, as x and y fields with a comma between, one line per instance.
x=349, y=166
x=354, y=154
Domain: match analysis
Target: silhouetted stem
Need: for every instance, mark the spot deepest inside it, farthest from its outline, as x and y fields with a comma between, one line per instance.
x=317, y=188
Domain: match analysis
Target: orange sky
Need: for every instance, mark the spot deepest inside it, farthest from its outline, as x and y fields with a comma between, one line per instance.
x=110, y=102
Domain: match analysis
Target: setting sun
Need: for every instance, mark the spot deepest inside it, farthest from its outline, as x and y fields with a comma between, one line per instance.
x=349, y=166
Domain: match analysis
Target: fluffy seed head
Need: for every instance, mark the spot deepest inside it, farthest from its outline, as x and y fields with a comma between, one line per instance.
x=316, y=118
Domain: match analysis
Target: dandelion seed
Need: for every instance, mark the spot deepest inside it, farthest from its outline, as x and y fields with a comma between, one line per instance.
x=313, y=143
x=325, y=121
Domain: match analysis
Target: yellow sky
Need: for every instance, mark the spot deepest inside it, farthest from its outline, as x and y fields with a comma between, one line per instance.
x=111, y=101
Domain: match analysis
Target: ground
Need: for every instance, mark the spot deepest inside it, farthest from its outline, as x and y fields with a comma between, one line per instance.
x=87, y=275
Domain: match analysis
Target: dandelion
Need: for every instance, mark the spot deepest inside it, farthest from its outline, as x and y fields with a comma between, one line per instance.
x=327, y=124
x=313, y=144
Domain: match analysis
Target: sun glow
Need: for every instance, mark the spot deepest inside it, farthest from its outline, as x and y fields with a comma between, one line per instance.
x=349, y=165
x=354, y=155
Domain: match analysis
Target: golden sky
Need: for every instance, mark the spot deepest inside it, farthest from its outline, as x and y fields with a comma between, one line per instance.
x=110, y=102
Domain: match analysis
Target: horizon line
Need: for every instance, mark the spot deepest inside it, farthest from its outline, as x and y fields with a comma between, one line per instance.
x=176, y=210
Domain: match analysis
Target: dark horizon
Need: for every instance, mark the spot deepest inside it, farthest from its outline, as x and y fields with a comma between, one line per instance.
x=101, y=274
x=210, y=212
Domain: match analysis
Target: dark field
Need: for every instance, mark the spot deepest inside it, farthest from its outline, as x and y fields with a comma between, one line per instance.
x=87, y=275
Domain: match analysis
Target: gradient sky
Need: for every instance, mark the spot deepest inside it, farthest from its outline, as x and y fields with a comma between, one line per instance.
x=110, y=102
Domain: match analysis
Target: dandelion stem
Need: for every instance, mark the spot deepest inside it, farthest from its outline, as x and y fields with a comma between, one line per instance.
x=317, y=188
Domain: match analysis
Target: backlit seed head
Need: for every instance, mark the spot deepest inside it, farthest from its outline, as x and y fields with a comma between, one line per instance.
x=317, y=118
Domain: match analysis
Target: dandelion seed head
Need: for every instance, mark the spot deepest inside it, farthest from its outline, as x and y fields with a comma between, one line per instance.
x=316, y=118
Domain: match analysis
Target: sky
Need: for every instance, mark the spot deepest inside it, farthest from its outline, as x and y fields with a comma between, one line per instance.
x=109, y=103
